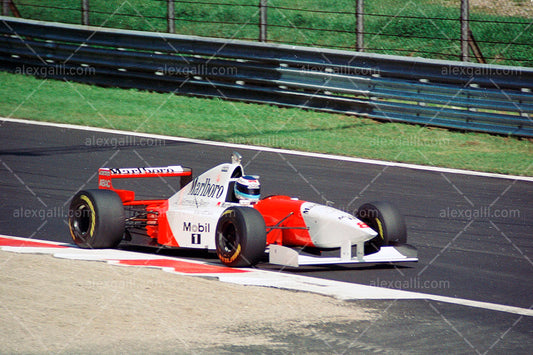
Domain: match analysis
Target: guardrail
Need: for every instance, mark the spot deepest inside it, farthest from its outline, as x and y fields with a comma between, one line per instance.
x=487, y=98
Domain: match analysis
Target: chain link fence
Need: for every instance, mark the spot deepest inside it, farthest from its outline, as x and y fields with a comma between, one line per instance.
x=503, y=30
x=486, y=31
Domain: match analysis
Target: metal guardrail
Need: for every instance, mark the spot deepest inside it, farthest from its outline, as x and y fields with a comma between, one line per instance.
x=487, y=98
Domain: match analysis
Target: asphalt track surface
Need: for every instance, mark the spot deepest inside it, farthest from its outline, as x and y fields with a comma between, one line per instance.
x=473, y=233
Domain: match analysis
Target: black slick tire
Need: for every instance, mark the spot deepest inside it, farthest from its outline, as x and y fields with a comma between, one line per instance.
x=385, y=219
x=240, y=237
x=96, y=219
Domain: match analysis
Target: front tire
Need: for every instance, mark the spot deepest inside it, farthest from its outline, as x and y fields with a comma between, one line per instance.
x=385, y=219
x=240, y=237
x=96, y=219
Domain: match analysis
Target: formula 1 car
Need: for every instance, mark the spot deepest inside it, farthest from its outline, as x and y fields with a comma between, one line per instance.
x=220, y=211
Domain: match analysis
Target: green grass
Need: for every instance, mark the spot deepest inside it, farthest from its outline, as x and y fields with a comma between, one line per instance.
x=297, y=129
x=387, y=32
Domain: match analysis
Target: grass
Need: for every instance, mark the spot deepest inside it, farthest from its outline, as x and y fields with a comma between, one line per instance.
x=214, y=119
x=388, y=31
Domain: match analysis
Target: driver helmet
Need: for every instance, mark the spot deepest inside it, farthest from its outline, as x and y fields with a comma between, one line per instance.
x=247, y=188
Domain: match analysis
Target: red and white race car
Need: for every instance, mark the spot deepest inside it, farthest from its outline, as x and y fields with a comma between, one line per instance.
x=220, y=211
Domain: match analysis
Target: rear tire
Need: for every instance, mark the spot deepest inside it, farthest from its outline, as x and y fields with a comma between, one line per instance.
x=385, y=219
x=240, y=237
x=96, y=219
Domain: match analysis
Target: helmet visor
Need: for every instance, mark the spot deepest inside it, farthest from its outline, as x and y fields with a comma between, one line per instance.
x=248, y=191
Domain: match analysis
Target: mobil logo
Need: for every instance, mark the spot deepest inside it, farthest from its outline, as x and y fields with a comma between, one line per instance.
x=196, y=227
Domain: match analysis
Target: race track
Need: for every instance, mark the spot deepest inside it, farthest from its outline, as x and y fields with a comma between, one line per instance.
x=473, y=233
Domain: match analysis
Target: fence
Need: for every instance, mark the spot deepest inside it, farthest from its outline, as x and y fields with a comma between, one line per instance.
x=464, y=96
x=454, y=29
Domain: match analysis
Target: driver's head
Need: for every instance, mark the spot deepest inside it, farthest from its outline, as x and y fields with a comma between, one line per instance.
x=247, y=188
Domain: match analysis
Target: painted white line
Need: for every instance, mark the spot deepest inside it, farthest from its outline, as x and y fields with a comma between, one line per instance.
x=349, y=291
x=273, y=150
x=76, y=253
x=29, y=250
x=263, y=278
x=25, y=239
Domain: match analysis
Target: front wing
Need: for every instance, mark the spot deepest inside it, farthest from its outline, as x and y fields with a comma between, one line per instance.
x=281, y=255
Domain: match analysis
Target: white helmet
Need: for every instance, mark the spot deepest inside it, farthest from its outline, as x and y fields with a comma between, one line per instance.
x=247, y=188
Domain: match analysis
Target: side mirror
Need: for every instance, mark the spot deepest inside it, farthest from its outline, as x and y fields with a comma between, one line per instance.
x=236, y=158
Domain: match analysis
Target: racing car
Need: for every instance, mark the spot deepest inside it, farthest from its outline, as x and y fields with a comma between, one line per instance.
x=221, y=211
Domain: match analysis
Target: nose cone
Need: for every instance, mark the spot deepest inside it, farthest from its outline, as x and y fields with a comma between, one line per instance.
x=330, y=227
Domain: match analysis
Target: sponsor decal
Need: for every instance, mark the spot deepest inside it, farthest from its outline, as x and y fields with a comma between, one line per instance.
x=380, y=228
x=160, y=170
x=105, y=183
x=347, y=216
x=206, y=189
x=307, y=207
x=196, y=227
x=232, y=257
x=196, y=238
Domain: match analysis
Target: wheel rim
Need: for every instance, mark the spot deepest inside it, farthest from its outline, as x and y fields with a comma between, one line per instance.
x=81, y=220
x=228, y=239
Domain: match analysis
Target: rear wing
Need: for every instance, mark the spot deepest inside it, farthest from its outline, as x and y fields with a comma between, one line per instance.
x=106, y=175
